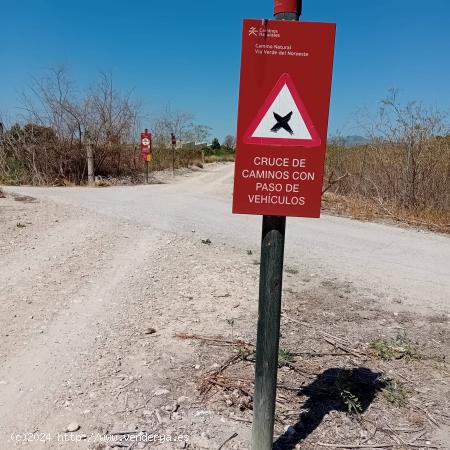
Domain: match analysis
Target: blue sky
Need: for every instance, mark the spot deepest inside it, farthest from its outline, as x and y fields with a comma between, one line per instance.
x=187, y=53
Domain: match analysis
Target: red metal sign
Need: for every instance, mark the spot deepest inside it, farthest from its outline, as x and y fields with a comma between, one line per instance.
x=146, y=145
x=283, y=117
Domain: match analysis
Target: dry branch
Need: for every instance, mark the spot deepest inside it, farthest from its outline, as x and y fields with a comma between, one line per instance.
x=324, y=444
x=222, y=342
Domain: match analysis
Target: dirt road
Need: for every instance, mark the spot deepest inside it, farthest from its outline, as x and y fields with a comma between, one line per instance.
x=407, y=265
x=96, y=283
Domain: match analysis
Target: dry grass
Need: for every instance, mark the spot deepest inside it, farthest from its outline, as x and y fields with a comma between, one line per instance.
x=219, y=158
x=379, y=181
x=363, y=208
x=403, y=173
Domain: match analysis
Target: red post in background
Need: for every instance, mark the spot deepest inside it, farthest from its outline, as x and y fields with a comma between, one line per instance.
x=146, y=150
x=146, y=145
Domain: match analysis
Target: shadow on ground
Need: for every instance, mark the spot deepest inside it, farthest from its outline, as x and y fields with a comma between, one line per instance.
x=347, y=390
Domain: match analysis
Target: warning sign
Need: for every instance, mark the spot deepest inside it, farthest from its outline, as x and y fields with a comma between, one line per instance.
x=146, y=145
x=283, y=117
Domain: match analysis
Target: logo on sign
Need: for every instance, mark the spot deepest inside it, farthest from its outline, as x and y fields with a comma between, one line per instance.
x=146, y=141
x=283, y=119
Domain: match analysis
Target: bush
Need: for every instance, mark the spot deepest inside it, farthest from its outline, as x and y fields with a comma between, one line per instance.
x=378, y=171
x=405, y=167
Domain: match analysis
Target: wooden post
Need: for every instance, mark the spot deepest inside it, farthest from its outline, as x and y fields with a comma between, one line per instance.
x=269, y=314
x=270, y=286
x=90, y=162
x=173, y=159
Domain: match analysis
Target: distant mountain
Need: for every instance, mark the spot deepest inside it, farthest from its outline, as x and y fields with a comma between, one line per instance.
x=349, y=141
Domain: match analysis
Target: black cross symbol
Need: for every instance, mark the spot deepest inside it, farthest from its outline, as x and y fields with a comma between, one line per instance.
x=282, y=122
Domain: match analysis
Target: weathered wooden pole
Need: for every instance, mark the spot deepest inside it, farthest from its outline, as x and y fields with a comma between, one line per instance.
x=270, y=285
x=269, y=312
x=173, y=159
x=90, y=160
x=174, y=143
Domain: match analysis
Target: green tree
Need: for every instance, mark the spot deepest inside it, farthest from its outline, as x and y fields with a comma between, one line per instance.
x=215, y=145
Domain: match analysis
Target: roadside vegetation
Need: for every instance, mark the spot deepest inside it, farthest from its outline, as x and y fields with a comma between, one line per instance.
x=402, y=173
x=61, y=123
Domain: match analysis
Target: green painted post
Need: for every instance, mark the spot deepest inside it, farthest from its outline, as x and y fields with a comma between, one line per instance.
x=269, y=313
x=270, y=285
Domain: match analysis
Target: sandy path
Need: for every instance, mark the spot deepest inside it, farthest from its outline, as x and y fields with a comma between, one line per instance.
x=406, y=265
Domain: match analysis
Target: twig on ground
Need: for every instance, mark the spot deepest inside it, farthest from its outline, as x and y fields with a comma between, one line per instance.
x=126, y=385
x=343, y=348
x=428, y=415
x=239, y=419
x=211, y=378
x=417, y=437
x=215, y=340
x=394, y=436
x=323, y=334
x=319, y=354
x=324, y=444
x=228, y=440
x=421, y=445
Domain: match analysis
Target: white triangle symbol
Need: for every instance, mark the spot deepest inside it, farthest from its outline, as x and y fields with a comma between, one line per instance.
x=283, y=119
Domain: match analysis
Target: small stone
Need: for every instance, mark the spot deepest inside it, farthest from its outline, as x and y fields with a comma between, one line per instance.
x=72, y=427
x=160, y=392
x=172, y=407
x=149, y=330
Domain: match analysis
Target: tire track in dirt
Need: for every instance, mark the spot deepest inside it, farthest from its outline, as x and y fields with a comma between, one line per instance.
x=34, y=370
x=43, y=276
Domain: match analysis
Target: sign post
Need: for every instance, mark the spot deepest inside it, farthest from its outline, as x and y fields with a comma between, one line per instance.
x=281, y=142
x=146, y=150
x=90, y=160
x=174, y=143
